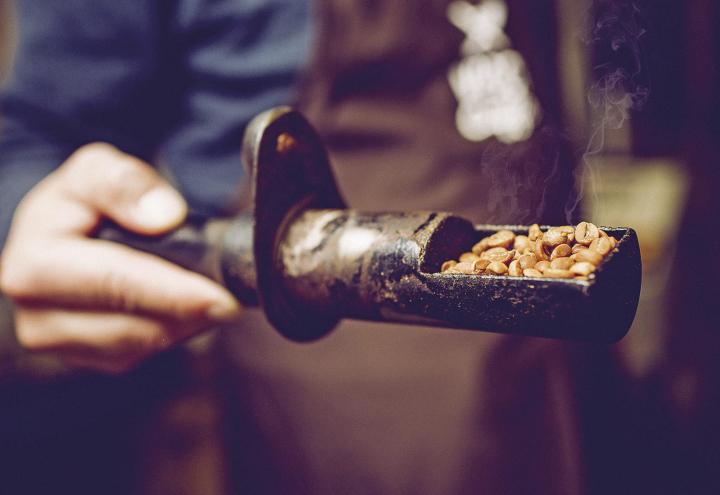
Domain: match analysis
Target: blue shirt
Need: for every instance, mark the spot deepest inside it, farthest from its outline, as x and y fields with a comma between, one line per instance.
x=171, y=81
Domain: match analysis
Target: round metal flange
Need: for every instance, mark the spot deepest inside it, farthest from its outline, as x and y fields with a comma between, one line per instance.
x=289, y=172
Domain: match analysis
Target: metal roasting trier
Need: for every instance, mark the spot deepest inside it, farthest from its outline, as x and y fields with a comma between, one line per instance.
x=309, y=262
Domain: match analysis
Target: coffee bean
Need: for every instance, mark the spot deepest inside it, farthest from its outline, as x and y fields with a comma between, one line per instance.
x=561, y=251
x=515, y=270
x=561, y=263
x=557, y=273
x=521, y=243
x=468, y=257
x=498, y=254
x=582, y=268
x=464, y=267
x=512, y=254
x=570, y=231
x=470, y=267
x=555, y=237
x=497, y=268
x=588, y=255
x=602, y=245
x=586, y=232
x=481, y=246
x=501, y=238
x=447, y=265
x=527, y=261
x=480, y=265
x=578, y=247
x=534, y=232
x=542, y=265
x=540, y=250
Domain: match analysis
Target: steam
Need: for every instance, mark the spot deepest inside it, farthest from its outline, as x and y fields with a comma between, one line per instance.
x=613, y=35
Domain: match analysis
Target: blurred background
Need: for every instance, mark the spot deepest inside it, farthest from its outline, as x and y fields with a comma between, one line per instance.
x=625, y=95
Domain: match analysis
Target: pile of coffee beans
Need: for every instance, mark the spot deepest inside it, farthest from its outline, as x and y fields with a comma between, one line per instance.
x=559, y=252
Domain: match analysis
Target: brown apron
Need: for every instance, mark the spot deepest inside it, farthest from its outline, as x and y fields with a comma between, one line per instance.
x=389, y=409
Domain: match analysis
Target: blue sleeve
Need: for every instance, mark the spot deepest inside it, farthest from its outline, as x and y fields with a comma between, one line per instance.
x=169, y=81
x=241, y=57
x=81, y=70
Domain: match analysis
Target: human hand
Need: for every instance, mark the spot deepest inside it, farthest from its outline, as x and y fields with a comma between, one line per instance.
x=92, y=302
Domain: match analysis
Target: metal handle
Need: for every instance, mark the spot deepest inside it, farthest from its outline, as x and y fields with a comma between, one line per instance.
x=219, y=249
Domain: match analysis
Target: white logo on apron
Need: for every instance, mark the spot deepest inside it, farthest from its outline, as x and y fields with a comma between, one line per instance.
x=490, y=82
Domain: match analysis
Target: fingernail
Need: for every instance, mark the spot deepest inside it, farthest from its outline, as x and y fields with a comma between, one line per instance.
x=226, y=309
x=161, y=207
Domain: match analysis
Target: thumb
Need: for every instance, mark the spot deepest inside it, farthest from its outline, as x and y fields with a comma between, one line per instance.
x=123, y=188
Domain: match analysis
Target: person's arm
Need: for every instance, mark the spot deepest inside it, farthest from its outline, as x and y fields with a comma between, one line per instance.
x=96, y=303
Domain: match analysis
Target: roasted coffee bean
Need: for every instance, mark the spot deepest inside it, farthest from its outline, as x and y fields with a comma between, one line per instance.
x=501, y=238
x=586, y=232
x=570, y=231
x=527, y=261
x=521, y=243
x=497, y=267
x=561, y=263
x=561, y=251
x=481, y=246
x=541, y=250
x=480, y=265
x=468, y=257
x=588, y=255
x=554, y=237
x=534, y=232
x=511, y=255
x=447, y=265
x=463, y=267
x=515, y=270
x=469, y=267
x=498, y=254
x=578, y=247
x=582, y=268
x=542, y=265
x=557, y=273
x=602, y=245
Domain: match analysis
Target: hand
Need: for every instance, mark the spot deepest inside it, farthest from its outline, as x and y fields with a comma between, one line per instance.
x=92, y=302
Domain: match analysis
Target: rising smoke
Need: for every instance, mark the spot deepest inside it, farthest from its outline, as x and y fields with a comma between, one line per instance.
x=618, y=82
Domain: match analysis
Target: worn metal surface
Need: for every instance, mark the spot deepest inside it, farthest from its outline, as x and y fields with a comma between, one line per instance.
x=309, y=262
x=385, y=267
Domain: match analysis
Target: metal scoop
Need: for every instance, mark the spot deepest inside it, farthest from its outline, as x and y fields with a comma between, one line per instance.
x=309, y=262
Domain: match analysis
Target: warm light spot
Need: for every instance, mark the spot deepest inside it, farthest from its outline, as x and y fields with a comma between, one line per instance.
x=490, y=82
x=355, y=241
